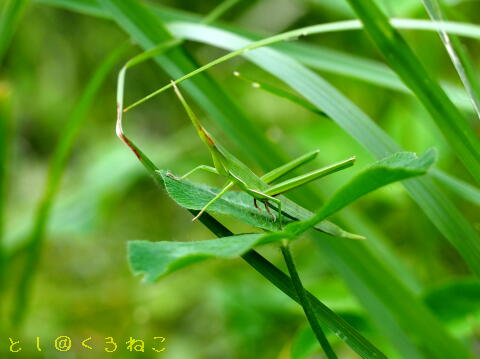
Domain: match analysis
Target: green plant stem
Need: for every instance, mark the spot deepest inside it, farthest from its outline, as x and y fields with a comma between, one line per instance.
x=219, y=11
x=5, y=144
x=12, y=11
x=305, y=302
x=57, y=167
x=345, y=331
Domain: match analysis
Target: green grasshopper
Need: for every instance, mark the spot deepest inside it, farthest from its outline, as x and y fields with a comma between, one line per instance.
x=237, y=173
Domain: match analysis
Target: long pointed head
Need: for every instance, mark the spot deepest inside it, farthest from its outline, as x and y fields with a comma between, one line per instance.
x=217, y=156
x=202, y=132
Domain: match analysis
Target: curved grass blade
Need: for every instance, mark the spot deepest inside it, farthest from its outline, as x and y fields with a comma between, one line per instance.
x=403, y=61
x=397, y=167
x=57, y=167
x=316, y=90
x=280, y=93
x=444, y=215
x=463, y=189
x=458, y=28
x=458, y=56
x=314, y=56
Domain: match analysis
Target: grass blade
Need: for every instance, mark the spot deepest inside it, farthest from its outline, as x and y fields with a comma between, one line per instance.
x=397, y=167
x=442, y=213
x=10, y=16
x=57, y=167
x=403, y=61
x=148, y=32
x=400, y=320
x=348, y=116
x=463, y=189
x=5, y=145
x=141, y=253
x=314, y=56
x=305, y=302
x=458, y=56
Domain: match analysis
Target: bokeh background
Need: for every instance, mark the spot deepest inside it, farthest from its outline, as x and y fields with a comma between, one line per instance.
x=216, y=309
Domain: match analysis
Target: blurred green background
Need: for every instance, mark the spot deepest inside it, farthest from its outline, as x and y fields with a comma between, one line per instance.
x=216, y=309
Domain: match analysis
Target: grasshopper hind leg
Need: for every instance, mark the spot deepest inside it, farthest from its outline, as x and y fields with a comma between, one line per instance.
x=267, y=208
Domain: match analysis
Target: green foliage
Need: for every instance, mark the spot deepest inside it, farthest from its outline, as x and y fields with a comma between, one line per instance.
x=463, y=309
x=10, y=14
x=240, y=205
x=91, y=196
x=155, y=259
x=403, y=61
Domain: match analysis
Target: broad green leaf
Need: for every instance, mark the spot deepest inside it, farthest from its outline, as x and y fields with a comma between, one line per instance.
x=240, y=205
x=397, y=167
x=156, y=259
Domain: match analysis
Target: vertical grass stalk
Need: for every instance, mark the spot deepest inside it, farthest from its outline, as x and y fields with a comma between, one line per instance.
x=5, y=144
x=305, y=302
x=12, y=11
x=458, y=55
x=404, y=62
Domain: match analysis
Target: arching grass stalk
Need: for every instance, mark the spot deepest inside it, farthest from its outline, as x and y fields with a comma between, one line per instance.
x=461, y=188
x=313, y=307
x=161, y=48
x=450, y=121
x=305, y=302
x=353, y=338
x=57, y=167
x=402, y=59
x=460, y=29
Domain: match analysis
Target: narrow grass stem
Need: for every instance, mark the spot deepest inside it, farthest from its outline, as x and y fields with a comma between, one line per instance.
x=305, y=302
x=10, y=16
x=461, y=29
x=5, y=140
